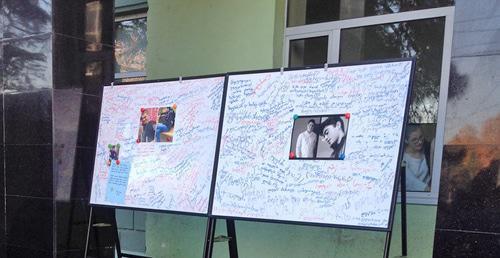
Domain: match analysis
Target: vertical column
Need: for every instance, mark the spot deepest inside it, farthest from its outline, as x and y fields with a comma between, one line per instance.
x=83, y=63
x=27, y=194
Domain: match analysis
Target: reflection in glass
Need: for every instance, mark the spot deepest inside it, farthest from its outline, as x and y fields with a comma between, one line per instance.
x=418, y=157
x=22, y=18
x=422, y=39
x=93, y=26
x=303, y=12
x=27, y=63
x=130, y=45
x=309, y=51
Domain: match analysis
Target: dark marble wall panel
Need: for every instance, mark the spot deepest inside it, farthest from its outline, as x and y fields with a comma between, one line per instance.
x=84, y=166
x=28, y=117
x=27, y=63
x=76, y=67
x=28, y=170
x=23, y=18
x=457, y=244
x=468, y=215
x=1, y=120
x=73, y=176
x=21, y=251
x=473, y=109
x=83, y=63
x=29, y=223
x=470, y=189
x=89, y=121
x=66, y=114
x=72, y=224
x=70, y=254
x=91, y=21
x=2, y=199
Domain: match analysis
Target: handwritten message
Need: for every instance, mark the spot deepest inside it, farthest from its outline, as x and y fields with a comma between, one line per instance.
x=173, y=174
x=257, y=179
x=117, y=183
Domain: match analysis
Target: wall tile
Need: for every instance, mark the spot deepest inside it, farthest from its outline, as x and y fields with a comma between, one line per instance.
x=23, y=18
x=102, y=238
x=1, y=58
x=28, y=170
x=89, y=121
x=2, y=171
x=70, y=17
x=28, y=118
x=1, y=119
x=476, y=28
x=72, y=224
x=469, y=197
x=456, y=244
x=131, y=240
x=73, y=175
x=66, y=115
x=2, y=220
x=29, y=223
x=125, y=219
x=27, y=63
x=17, y=251
x=70, y=254
x=473, y=110
x=78, y=67
x=140, y=220
x=87, y=20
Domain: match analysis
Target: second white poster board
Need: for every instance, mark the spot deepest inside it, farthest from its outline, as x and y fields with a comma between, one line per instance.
x=313, y=146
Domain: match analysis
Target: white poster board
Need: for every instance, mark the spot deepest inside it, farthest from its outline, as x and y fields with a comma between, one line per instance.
x=156, y=145
x=348, y=177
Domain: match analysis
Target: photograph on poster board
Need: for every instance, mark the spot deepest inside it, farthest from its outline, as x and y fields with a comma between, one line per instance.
x=157, y=124
x=156, y=145
x=319, y=137
x=356, y=114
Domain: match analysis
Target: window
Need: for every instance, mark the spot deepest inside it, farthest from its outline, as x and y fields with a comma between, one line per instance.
x=130, y=47
x=303, y=12
x=386, y=29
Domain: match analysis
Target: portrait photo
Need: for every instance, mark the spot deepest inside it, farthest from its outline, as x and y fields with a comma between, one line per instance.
x=304, y=138
x=156, y=124
x=332, y=132
x=319, y=137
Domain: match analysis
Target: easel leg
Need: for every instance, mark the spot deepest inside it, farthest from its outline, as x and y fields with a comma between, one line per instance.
x=404, y=243
x=117, y=236
x=387, y=244
x=88, y=233
x=209, y=238
x=231, y=233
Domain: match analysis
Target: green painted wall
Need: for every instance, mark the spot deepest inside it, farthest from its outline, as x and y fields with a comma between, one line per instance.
x=183, y=236
x=198, y=37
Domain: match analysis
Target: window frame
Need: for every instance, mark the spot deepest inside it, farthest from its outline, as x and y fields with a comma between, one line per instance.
x=333, y=30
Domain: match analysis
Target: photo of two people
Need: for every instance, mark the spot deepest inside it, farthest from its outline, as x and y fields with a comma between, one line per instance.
x=319, y=137
x=156, y=124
